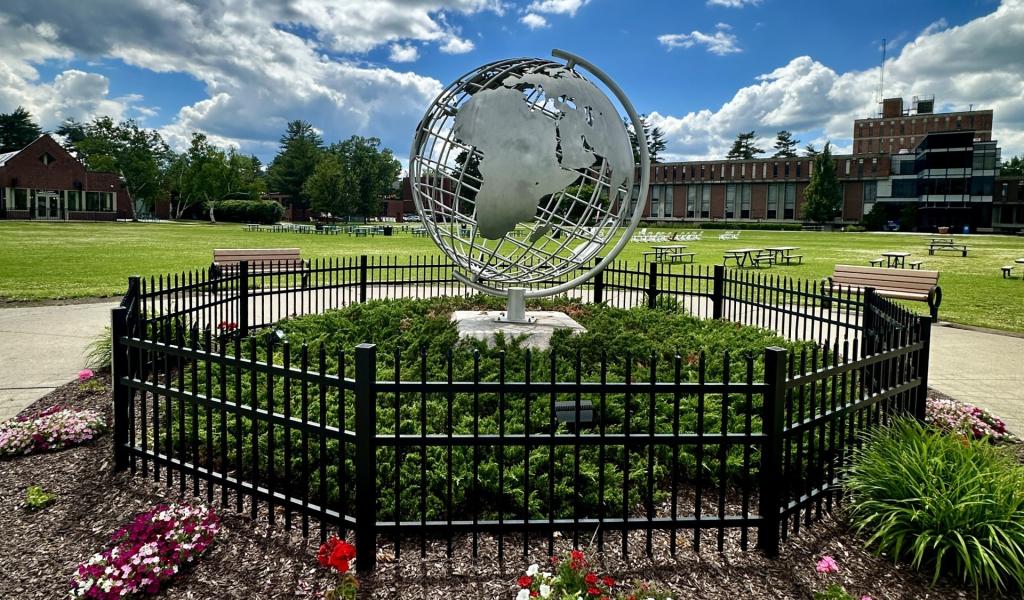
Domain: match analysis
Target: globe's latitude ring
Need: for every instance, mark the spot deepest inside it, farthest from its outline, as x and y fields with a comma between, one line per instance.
x=522, y=172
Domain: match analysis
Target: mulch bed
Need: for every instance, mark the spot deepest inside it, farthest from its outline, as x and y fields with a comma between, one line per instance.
x=40, y=551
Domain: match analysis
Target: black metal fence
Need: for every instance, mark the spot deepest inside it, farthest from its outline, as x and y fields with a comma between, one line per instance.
x=693, y=447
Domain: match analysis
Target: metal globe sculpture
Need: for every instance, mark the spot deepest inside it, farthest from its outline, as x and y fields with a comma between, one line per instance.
x=522, y=171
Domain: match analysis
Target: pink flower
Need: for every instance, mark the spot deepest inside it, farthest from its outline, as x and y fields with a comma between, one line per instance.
x=827, y=564
x=85, y=374
x=865, y=598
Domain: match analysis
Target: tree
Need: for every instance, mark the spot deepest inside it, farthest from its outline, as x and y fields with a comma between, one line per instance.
x=810, y=150
x=654, y=135
x=743, y=148
x=138, y=155
x=822, y=197
x=17, y=130
x=301, y=150
x=73, y=131
x=1014, y=166
x=785, y=145
x=205, y=173
x=352, y=178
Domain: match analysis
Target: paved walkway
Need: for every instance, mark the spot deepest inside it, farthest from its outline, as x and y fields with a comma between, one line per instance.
x=43, y=347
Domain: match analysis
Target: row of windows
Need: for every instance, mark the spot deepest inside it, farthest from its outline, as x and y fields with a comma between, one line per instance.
x=958, y=123
x=74, y=200
x=718, y=171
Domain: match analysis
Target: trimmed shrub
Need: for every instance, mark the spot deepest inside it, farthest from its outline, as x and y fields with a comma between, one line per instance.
x=248, y=211
x=946, y=503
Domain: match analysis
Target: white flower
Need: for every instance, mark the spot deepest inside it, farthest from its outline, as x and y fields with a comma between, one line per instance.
x=545, y=590
x=533, y=570
x=524, y=594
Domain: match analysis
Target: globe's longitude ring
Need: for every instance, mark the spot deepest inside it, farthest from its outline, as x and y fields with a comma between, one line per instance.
x=494, y=134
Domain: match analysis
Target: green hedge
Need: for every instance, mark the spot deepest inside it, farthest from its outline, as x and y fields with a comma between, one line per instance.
x=765, y=226
x=415, y=338
x=248, y=211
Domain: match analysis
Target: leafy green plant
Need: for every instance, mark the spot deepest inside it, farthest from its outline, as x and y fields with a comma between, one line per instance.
x=36, y=498
x=833, y=592
x=247, y=211
x=99, y=351
x=945, y=503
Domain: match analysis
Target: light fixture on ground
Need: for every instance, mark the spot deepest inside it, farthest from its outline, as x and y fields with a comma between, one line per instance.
x=522, y=172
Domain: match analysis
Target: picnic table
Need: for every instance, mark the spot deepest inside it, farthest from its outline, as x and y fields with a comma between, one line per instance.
x=946, y=244
x=740, y=255
x=671, y=252
x=895, y=259
x=785, y=253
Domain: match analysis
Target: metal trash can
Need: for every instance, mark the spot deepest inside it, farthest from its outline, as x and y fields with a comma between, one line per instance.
x=388, y=230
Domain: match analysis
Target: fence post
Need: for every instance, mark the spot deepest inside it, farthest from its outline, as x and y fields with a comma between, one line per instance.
x=362, y=279
x=652, y=285
x=366, y=457
x=770, y=484
x=119, y=368
x=925, y=332
x=868, y=323
x=599, y=285
x=243, y=298
x=718, y=292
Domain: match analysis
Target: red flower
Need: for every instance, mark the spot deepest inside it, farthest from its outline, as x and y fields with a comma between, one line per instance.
x=590, y=578
x=534, y=593
x=525, y=581
x=578, y=559
x=336, y=554
x=593, y=591
x=608, y=581
x=554, y=561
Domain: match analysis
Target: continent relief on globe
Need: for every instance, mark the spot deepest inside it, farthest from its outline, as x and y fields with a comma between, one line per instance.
x=520, y=166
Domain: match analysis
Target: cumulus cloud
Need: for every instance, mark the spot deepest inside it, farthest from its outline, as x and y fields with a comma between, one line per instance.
x=534, y=21
x=557, y=7
x=980, y=63
x=262, y=62
x=721, y=42
x=404, y=53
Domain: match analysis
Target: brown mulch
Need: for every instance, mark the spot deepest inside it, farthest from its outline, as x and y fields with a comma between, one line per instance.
x=40, y=551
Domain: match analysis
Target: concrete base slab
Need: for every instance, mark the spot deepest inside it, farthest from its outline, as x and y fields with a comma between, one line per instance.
x=483, y=325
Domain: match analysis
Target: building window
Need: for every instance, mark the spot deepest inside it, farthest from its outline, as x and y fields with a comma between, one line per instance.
x=732, y=171
x=764, y=171
x=790, y=205
x=799, y=165
x=775, y=169
x=773, y=201
x=848, y=166
x=705, y=201
x=860, y=167
x=20, y=199
x=874, y=165
x=730, y=201
x=870, y=193
x=743, y=170
x=46, y=158
x=74, y=198
x=692, y=193
x=745, y=201
x=99, y=201
x=1006, y=192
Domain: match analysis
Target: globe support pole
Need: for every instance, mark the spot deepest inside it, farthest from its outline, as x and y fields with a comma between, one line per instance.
x=515, y=310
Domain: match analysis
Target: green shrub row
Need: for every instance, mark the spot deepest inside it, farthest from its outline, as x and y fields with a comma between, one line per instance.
x=248, y=211
x=416, y=340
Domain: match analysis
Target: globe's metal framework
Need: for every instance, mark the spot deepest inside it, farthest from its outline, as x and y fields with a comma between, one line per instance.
x=569, y=227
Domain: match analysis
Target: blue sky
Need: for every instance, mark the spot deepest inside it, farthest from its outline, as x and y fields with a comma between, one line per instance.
x=704, y=70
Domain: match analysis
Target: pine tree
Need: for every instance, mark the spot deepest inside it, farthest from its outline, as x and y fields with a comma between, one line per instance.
x=810, y=150
x=785, y=145
x=654, y=135
x=743, y=148
x=823, y=197
x=301, y=150
x=17, y=130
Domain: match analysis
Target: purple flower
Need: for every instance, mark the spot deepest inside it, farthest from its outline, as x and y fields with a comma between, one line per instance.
x=827, y=564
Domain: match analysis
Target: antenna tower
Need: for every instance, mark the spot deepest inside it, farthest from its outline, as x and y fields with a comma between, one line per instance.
x=881, y=78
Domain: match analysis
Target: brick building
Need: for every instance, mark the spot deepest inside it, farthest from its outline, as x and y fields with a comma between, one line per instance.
x=42, y=181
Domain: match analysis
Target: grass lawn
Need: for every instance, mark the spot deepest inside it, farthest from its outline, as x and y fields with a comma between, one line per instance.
x=73, y=260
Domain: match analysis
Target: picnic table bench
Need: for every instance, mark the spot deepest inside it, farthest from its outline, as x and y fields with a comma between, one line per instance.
x=262, y=261
x=947, y=245
x=671, y=253
x=902, y=284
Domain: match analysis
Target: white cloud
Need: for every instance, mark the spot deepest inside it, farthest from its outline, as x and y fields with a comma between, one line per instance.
x=979, y=63
x=733, y=3
x=935, y=27
x=720, y=42
x=404, y=53
x=457, y=45
x=262, y=62
x=557, y=7
x=534, y=21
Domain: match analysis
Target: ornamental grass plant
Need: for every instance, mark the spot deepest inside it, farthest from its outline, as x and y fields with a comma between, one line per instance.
x=947, y=503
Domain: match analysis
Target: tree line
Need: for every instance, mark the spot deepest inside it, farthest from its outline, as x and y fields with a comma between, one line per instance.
x=349, y=177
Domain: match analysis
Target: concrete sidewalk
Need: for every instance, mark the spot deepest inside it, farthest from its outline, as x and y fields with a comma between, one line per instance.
x=44, y=348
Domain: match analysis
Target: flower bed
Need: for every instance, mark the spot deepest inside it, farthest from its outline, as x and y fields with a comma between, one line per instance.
x=147, y=552
x=956, y=417
x=55, y=428
x=573, y=578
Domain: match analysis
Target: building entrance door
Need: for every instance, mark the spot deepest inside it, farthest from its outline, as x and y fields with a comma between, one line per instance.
x=48, y=206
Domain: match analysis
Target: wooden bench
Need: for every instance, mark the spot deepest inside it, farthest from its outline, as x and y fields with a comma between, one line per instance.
x=915, y=264
x=262, y=261
x=948, y=248
x=902, y=284
x=763, y=257
x=1007, y=271
x=876, y=261
x=789, y=258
